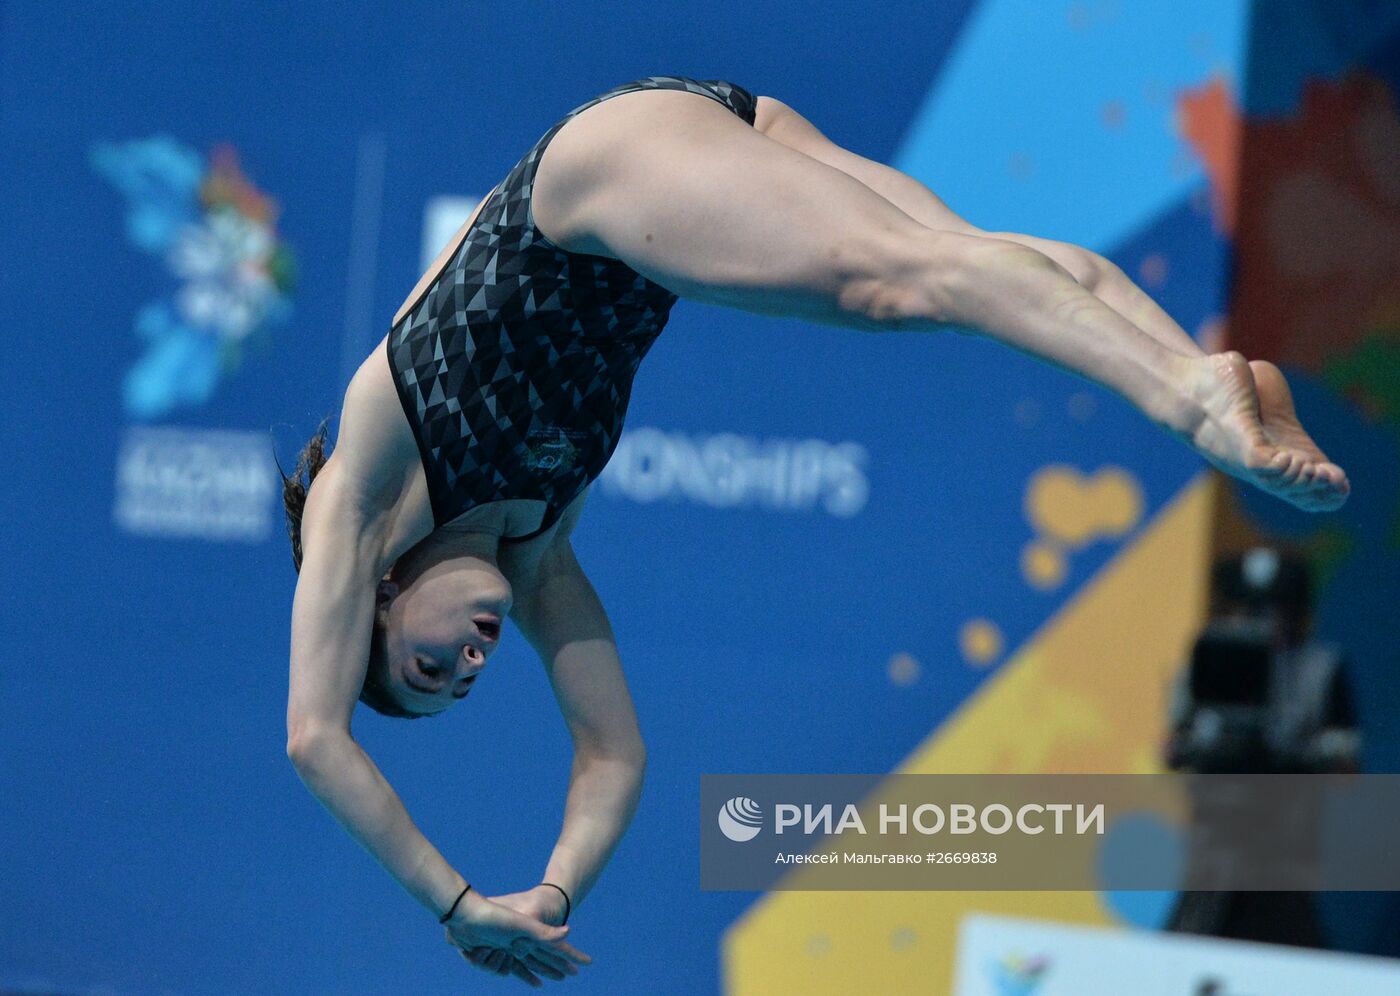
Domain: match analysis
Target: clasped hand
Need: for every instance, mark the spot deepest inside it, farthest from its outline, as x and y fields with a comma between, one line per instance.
x=519, y=934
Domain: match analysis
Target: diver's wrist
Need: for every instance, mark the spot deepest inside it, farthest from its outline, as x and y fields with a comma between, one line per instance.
x=558, y=902
x=448, y=900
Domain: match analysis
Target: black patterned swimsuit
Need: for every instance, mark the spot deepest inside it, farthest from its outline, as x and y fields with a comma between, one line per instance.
x=515, y=366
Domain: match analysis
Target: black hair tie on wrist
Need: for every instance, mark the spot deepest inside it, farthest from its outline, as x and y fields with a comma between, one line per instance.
x=453, y=908
x=568, y=906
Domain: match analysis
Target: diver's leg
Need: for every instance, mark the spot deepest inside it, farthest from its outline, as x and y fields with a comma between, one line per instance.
x=1106, y=281
x=683, y=191
x=1093, y=272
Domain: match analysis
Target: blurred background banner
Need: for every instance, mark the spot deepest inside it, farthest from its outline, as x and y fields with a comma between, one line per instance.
x=1094, y=960
x=821, y=551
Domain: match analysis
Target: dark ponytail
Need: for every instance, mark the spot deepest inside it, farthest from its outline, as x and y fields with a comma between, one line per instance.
x=309, y=463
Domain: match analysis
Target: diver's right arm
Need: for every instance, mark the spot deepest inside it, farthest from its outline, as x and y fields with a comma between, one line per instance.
x=332, y=616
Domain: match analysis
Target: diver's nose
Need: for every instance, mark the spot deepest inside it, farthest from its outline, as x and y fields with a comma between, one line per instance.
x=474, y=659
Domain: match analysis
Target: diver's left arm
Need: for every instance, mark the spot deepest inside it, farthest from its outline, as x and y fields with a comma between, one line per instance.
x=562, y=617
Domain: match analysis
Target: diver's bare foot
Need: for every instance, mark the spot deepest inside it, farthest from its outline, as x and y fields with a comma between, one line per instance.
x=1249, y=430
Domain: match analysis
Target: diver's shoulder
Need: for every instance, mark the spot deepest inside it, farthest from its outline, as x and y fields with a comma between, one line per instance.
x=379, y=467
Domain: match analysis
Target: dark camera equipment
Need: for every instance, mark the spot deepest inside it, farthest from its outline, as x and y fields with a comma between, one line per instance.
x=1257, y=696
x=1228, y=685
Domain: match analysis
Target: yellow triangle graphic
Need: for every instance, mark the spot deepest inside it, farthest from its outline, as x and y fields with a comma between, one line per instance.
x=1088, y=693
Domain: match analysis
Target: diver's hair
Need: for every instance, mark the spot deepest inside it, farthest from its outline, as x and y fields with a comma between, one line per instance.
x=309, y=463
x=375, y=692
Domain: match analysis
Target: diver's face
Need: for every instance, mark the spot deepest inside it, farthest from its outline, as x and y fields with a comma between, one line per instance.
x=439, y=629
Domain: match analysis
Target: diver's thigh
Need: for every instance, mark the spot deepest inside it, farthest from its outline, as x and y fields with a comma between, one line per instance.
x=692, y=197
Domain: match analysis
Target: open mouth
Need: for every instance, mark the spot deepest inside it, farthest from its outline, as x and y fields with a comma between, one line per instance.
x=489, y=626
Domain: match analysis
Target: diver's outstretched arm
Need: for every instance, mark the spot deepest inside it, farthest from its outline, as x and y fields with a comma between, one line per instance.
x=680, y=189
x=561, y=616
x=332, y=617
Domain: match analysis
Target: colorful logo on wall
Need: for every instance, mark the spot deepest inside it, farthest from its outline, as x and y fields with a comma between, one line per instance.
x=217, y=236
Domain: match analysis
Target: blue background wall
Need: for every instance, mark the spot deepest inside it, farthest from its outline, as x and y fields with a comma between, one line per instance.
x=154, y=837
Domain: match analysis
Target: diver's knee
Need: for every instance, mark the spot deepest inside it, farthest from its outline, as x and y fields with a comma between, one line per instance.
x=910, y=280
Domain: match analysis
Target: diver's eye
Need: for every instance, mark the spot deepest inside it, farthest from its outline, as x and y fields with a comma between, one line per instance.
x=420, y=677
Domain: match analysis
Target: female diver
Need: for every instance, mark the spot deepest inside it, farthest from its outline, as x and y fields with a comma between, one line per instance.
x=468, y=439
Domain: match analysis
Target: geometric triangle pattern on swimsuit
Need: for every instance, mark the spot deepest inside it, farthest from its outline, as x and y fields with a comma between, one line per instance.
x=515, y=366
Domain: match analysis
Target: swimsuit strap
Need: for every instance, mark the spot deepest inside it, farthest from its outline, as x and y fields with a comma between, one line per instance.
x=551, y=516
